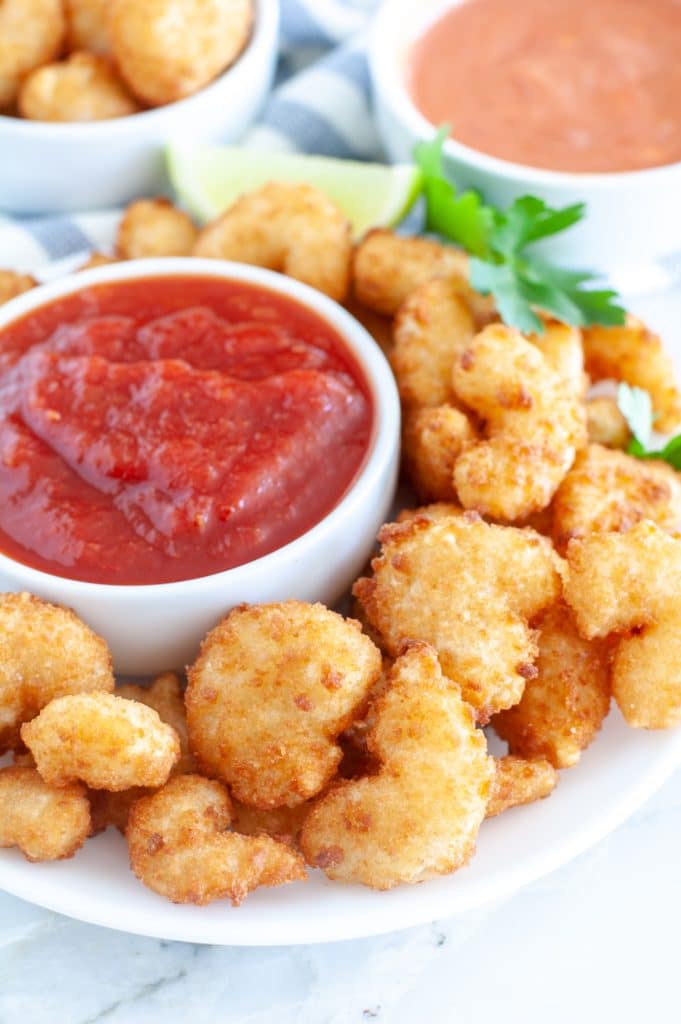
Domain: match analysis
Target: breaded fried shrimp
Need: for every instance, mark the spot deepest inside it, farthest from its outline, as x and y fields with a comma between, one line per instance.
x=629, y=584
x=87, y=26
x=432, y=329
x=168, y=49
x=154, y=227
x=437, y=510
x=387, y=268
x=45, y=652
x=470, y=590
x=83, y=87
x=561, y=346
x=419, y=816
x=283, y=823
x=165, y=697
x=13, y=284
x=113, y=809
x=634, y=354
x=605, y=423
x=180, y=847
x=31, y=34
x=519, y=781
x=306, y=670
x=563, y=706
x=432, y=440
x=607, y=490
x=533, y=425
x=45, y=822
x=105, y=741
x=292, y=228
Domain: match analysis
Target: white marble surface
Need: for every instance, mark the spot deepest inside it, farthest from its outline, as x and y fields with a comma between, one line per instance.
x=595, y=940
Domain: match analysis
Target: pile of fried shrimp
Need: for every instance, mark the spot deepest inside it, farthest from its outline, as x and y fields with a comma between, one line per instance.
x=90, y=60
x=535, y=580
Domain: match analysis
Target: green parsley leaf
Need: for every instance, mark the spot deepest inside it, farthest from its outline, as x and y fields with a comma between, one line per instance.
x=637, y=409
x=497, y=240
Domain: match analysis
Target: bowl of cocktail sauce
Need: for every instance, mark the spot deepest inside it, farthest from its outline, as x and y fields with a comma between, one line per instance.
x=569, y=100
x=180, y=436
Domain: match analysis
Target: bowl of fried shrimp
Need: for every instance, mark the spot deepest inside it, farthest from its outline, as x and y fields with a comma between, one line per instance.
x=91, y=92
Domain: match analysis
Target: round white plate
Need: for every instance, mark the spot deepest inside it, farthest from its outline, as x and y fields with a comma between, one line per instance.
x=614, y=777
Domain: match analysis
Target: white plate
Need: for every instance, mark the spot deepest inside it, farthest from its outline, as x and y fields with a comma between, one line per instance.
x=614, y=777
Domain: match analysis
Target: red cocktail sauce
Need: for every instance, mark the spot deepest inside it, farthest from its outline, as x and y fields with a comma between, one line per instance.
x=173, y=427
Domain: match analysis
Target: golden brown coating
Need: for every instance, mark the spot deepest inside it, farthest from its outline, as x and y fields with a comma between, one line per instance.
x=387, y=268
x=470, y=590
x=607, y=490
x=519, y=781
x=292, y=228
x=83, y=87
x=432, y=329
x=46, y=823
x=13, y=284
x=179, y=846
x=283, y=823
x=379, y=327
x=635, y=354
x=113, y=809
x=154, y=227
x=105, y=741
x=31, y=34
x=272, y=689
x=629, y=583
x=169, y=49
x=165, y=696
x=432, y=440
x=605, y=423
x=45, y=652
x=561, y=346
x=436, y=510
x=563, y=706
x=97, y=259
x=419, y=816
x=533, y=425
x=87, y=26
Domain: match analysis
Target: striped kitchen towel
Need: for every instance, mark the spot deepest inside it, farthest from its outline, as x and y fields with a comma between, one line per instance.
x=320, y=104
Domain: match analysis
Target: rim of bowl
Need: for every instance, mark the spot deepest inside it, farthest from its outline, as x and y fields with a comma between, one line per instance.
x=262, y=40
x=386, y=71
x=383, y=444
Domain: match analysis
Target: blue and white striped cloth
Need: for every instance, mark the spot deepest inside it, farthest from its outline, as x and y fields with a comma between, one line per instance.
x=320, y=104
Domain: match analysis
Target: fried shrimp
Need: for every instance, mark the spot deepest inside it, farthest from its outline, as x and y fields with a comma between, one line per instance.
x=31, y=34
x=105, y=741
x=387, y=268
x=86, y=26
x=154, y=227
x=563, y=706
x=432, y=329
x=46, y=823
x=561, y=346
x=634, y=354
x=605, y=423
x=282, y=823
x=83, y=87
x=534, y=426
x=292, y=228
x=168, y=49
x=165, y=697
x=469, y=589
x=419, y=816
x=432, y=440
x=180, y=848
x=306, y=670
x=519, y=781
x=13, y=284
x=437, y=510
x=629, y=584
x=607, y=490
x=45, y=652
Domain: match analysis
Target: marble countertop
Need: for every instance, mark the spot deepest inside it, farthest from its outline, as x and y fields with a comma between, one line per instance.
x=594, y=939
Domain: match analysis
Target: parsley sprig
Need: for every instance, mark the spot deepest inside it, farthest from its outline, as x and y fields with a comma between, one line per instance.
x=498, y=241
x=637, y=409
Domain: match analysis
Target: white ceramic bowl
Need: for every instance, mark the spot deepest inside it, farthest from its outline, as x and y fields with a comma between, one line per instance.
x=52, y=168
x=634, y=218
x=157, y=627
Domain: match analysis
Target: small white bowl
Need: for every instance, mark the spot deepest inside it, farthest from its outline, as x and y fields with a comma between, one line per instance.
x=151, y=628
x=56, y=168
x=633, y=218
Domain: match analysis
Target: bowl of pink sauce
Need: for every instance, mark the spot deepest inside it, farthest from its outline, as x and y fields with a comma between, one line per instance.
x=571, y=100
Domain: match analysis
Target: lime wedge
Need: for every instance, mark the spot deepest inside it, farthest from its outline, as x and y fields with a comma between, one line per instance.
x=209, y=178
